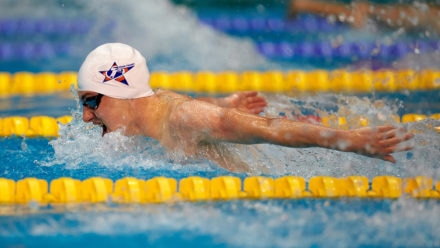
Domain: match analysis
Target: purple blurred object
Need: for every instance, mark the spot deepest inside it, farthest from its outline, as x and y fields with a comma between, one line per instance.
x=45, y=26
x=8, y=27
x=286, y=50
x=305, y=49
x=6, y=51
x=275, y=24
x=257, y=24
x=240, y=24
x=344, y=51
x=44, y=51
x=362, y=50
x=223, y=24
x=25, y=51
x=268, y=49
x=399, y=49
x=323, y=49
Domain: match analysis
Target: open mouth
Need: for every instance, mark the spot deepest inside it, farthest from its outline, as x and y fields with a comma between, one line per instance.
x=104, y=129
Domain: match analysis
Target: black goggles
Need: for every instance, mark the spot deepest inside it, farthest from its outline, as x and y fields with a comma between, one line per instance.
x=92, y=101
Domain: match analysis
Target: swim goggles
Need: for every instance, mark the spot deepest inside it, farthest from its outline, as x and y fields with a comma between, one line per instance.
x=92, y=101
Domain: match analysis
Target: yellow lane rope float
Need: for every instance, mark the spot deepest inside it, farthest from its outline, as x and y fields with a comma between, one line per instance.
x=27, y=83
x=194, y=188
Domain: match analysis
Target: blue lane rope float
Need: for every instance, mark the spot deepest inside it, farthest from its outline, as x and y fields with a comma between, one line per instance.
x=271, y=25
x=13, y=27
x=17, y=46
x=194, y=188
x=345, y=51
x=13, y=51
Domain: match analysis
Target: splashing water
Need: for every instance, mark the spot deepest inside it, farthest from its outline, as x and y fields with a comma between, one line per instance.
x=81, y=144
x=314, y=223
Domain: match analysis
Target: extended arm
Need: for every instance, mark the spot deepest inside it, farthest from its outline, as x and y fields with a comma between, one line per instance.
x=232, y=125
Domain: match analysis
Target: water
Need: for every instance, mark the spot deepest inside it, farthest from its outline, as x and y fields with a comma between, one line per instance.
x=172, y=40
x=186, y=44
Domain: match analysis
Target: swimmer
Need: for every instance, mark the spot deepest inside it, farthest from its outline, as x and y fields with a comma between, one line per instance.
x=198, y=127
x=409, y=16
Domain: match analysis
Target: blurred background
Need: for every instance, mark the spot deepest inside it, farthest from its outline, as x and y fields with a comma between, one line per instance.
x=54, y=35
x=373, y=62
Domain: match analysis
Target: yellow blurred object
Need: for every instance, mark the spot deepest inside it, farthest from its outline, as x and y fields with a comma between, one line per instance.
x=67, y=80
x=341, y=81
x=160, y=189
x=194, y=188
x=334, y=121
x=273, y=81
x=43, y=126
x=419, y=186
x=227, y=82
x=5, y=83
x=384, y=80
x=45, y=82
x=317, y=81
x=31, y=190
x=430, y=79
x=407, y=80
x=129, y=190
x=354, y=186
x=23, y=83
x=7, y=191
x=182, y=81
x=65, y=190
x=412, y=118
x=64, y=119
x=250, y=80
x=225, y=188
x=296, y=81
x=386, y=186
x=259, y=187
x=290, y=187
x=15, y=125
x=324, y=186
x=361, y=81
x=96, y=189
x=205, y=81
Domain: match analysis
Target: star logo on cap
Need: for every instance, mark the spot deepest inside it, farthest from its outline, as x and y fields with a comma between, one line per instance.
x=117, y=73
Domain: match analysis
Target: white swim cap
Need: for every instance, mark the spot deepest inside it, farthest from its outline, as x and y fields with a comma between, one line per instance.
x=116, y=70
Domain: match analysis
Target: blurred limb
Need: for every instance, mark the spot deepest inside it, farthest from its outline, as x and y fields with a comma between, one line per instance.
x=247, y=101
x=414, y=16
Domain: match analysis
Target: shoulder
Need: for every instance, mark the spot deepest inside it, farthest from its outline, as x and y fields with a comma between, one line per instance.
x=166, y=94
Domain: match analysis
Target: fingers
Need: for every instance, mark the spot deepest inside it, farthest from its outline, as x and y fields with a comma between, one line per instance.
x=385, y=140
x=252, y=102
x=389, y=158
x=249, y=93
x=256, y=103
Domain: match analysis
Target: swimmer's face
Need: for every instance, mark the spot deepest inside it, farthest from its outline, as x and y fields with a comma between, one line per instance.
x=107, y=112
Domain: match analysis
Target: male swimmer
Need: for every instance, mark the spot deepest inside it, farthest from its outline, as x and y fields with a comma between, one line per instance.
x=113, y=85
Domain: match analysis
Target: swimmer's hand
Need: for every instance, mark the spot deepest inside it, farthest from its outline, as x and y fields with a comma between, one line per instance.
x=379, y=142
x=247, y=101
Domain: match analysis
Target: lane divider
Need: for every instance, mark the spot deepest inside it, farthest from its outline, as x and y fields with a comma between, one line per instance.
x=194, y=188
x=344, y=52
x=47, y=126
x=26, y=83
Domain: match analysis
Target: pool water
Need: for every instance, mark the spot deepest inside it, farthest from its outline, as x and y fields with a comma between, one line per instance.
x=213, y=37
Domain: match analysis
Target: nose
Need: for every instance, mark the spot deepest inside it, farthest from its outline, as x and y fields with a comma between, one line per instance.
x=88, y=114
